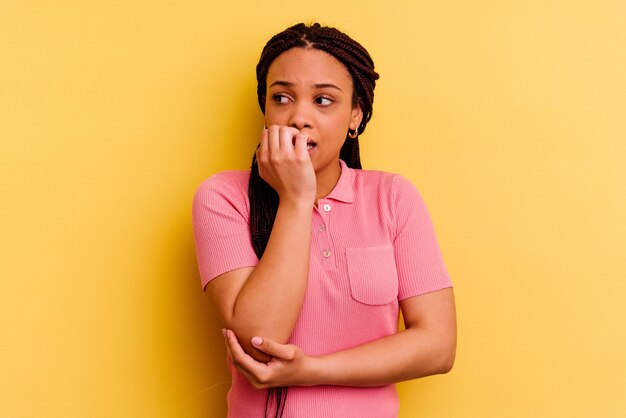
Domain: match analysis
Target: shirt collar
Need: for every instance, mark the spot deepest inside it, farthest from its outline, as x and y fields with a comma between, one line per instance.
x=343, y=189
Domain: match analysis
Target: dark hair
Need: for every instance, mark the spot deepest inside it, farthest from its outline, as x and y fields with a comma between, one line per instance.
x=263, y=198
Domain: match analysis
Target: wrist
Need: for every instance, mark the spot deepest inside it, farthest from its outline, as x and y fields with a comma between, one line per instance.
x=301, y=202
x=315, y=372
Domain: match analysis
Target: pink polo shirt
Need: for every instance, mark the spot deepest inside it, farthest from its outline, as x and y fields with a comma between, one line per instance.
x=372, y=244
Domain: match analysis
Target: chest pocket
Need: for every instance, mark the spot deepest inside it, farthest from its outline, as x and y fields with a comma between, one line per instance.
x=373, y=275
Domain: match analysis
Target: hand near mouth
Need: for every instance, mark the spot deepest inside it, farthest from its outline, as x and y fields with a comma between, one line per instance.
x=285, y=164
x=310, y=144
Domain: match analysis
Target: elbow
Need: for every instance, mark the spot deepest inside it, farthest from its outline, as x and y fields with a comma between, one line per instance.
x=446, y=365
x=446, y=359
x=244, y=337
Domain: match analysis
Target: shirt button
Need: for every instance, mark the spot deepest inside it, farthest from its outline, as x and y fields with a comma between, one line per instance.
x=326, y=207
x=322, y=228
x=326, y=253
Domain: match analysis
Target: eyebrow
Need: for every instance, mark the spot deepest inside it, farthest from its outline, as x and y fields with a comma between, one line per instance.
x=317, y=86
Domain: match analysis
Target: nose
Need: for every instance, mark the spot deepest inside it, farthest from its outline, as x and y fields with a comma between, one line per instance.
x=300, y=116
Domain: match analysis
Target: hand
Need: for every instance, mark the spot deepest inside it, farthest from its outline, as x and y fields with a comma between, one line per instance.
x=284, y=163
x=289, y=366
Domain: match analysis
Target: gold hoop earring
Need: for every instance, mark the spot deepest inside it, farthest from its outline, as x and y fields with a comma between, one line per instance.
x=353, y=135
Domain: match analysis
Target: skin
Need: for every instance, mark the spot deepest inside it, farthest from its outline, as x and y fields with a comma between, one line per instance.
x=311, y=92
x=309, y=99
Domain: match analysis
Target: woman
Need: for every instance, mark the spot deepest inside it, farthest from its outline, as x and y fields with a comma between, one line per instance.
x=308, y=259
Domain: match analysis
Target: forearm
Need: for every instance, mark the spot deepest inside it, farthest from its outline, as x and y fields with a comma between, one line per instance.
x=269, y=302
x=403, y=356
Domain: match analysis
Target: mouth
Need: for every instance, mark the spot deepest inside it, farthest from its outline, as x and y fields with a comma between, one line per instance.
x=310, y=144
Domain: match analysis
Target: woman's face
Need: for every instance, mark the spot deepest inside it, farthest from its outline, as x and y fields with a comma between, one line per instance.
x=311, y=90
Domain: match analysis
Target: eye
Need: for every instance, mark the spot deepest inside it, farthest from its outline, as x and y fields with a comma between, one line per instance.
x=280, y=98
x=323, y=101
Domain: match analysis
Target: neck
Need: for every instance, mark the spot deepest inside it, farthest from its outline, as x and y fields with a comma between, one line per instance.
x=327, y=180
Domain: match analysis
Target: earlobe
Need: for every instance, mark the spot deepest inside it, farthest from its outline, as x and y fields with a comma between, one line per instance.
x=357, y=117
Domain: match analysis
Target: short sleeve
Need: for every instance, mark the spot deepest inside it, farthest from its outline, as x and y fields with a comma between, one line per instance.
x=220, y=216
x=418, y=258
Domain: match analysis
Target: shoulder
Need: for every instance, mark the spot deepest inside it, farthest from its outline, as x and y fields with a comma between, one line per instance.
x=230, y=178
x=383, y=184
x=227, y=186
x=225, y=181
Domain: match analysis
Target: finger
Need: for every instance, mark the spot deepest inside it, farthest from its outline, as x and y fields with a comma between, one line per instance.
x=300, y=145
x=263, y=145
x=273, y=140
x=287, y=135
x=262, y=152
x=274, y=349
x=249, y=376
x=240, y=358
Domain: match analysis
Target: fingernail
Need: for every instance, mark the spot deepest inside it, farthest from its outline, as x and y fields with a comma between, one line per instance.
x=257, y=341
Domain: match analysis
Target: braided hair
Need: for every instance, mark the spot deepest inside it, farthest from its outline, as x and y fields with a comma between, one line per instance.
x=263, y=198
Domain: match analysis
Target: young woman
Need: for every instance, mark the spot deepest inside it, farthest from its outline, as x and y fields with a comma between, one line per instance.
x=308, y=258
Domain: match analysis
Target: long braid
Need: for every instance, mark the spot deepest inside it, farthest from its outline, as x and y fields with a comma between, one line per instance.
x=263, y=198
x=263, y=208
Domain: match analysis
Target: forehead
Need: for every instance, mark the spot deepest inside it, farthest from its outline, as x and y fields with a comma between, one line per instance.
x=308, y=67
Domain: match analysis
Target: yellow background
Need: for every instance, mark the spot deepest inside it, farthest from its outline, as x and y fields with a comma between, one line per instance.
x=509, y=117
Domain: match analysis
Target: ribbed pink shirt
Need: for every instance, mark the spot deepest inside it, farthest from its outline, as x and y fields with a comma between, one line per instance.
x=373, y=244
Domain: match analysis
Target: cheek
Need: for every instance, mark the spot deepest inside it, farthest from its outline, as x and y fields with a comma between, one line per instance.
x=341, y=121
x=272, y=117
